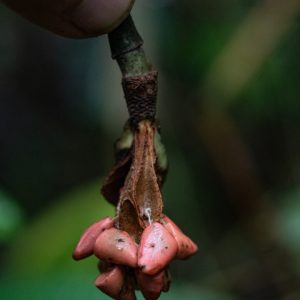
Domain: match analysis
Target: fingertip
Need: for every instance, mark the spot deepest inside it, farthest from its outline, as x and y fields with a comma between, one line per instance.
x=95, y=17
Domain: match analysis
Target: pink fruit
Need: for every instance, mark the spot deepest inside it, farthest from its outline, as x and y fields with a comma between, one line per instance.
x=111, y=281
x=116, y=246
x=87, y=241
x=186, y=247
x=157, y=249
x=151, y=286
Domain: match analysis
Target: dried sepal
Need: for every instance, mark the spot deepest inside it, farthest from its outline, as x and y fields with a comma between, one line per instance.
x=141, y=187
x=116, y=246
x=186, y=247
x=157, y=248
x=85, y=246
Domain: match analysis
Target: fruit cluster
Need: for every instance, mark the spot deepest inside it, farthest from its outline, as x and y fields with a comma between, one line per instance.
x=127, y=265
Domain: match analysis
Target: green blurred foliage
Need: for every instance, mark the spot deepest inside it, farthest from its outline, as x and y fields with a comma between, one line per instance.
x=47, y=241
x=10, y=217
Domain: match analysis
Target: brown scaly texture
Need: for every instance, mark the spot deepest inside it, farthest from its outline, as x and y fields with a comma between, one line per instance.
x=140, y=94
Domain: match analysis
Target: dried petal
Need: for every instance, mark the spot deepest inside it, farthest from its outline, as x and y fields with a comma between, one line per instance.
x=111, y=281
x=151, y=286
x=87, y=241
x=116, y=246
x=157, y=249
x=186, y=247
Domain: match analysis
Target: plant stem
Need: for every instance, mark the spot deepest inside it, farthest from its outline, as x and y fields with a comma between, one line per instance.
x=126, y=47
x=139, y=79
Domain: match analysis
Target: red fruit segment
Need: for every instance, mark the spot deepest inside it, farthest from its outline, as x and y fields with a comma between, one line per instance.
x=116, y=246
x=186, y=247
x=157, y=249
x=111, y=281
x=151, y=286
x=87, y=241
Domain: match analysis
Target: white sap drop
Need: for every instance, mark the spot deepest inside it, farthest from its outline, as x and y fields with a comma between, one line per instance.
x=148, y=214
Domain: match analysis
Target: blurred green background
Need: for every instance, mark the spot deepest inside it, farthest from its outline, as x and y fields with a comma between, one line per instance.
x=230, y=115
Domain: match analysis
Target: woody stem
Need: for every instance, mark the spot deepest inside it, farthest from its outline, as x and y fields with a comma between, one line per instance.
x=126, y=47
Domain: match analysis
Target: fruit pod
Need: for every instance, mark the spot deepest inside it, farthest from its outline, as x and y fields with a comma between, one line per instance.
x=151, y=286
x=157, y=248
x=111, y=281
x=116, y=246
x=85, y=246
x=186, y=247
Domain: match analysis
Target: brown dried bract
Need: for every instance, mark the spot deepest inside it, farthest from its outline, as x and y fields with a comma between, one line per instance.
x=140, y=199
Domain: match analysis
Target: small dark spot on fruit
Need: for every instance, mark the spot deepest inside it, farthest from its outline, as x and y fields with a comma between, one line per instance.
x=152, y=245
x=120, y=240
x=166, y=247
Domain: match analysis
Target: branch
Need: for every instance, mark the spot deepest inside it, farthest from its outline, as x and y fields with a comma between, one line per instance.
x=126, y=47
